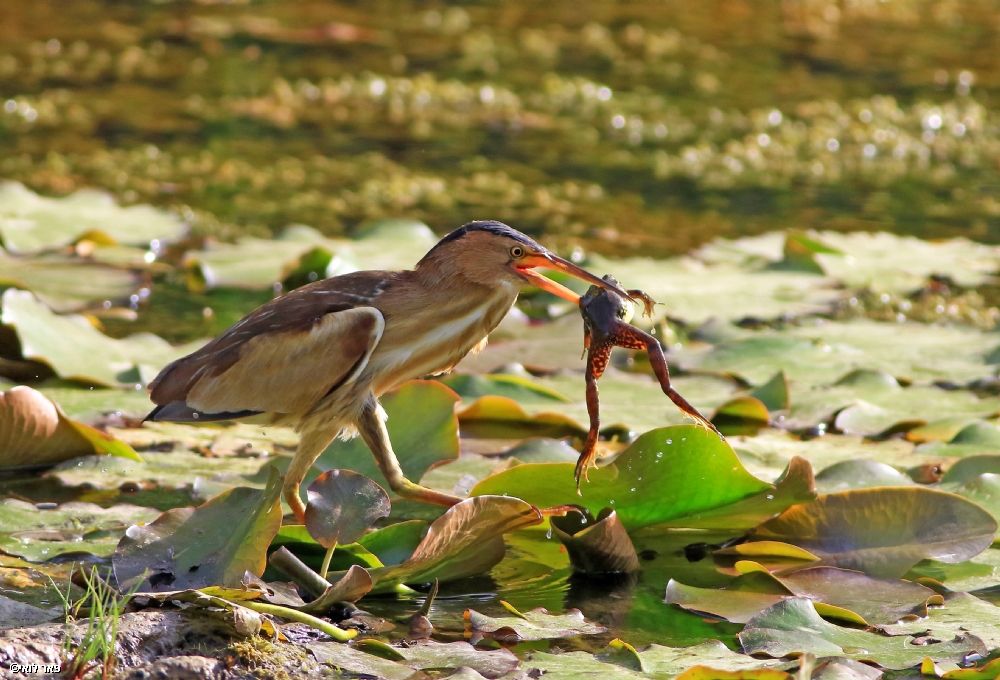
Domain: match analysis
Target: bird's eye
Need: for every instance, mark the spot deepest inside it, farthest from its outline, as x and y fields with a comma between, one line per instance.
x=517, y=251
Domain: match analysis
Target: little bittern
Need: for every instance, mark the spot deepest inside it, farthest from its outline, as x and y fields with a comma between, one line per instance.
x=320, y=356
x=606, y=314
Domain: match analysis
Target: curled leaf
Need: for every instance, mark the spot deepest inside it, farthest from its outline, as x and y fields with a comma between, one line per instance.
x=595, y=545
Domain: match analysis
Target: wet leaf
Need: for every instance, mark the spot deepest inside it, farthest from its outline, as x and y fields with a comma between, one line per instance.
x=672, y=476
x=342, y=505
x=537, y=624
x=39, y=535
x=34, y=432
x=595, y=545
x=886, y=530
x=465, y=541
x=76, y=350
x=422, y=427
x=213, y=544
x=30, y=223
x=793, y=627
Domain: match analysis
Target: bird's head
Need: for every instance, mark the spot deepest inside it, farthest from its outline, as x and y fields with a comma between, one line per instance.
x=492, y=254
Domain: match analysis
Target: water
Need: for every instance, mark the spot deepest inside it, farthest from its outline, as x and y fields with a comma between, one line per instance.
x=648, y=127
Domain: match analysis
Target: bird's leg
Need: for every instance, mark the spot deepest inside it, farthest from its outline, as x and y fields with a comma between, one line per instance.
x=311, y=444
x=372, y=428
x=597, y=361
x=631, y=337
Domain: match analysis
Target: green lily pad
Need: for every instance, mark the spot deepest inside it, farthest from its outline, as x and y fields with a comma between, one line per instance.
x=39, y=535
x=967, y=469
x=670, y=477
x=503, y=418
x=913, y=523
x=742, y=415
x=518, y=388
x=859, y=474
x=849, y=592
x=537, y=624
x=792, y=626
x=774, y=394
x=465, y=541
x=983, y=490
x=342, y=505
x=30, y=223
x=213, y=544
x=67, y=284
x=76, y=350
x=34, y=432
x=962, y=614
x=458, y=476
x=417, y=655
x=543, y=450
x=88, y=404
x=423, y=429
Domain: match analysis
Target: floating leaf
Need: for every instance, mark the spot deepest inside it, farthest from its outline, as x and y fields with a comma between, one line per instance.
x=742, y=415
x=537, y=624
x=771, y=555
x=213, y=544
x=417, y=655
x=14, y=614
x=67, y=284
x=519, y=388
x=792, y=626
x=422, y=427
x=859, y=474
x=595, y=545
x=967, y=469
x=886, y=530
x=76, y=350
x=855, y=597
x=502, y=418
x=342, y=505
x=706, y=673
x=962, y=614
x=773, y=394
x=39, y=535
x=29, y=222
x=34, y=432
x=672, y=476
x=465, y=541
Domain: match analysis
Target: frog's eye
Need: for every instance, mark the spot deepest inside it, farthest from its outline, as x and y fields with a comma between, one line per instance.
x=517, y=252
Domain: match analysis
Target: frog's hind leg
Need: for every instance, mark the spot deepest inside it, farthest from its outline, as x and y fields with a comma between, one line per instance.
x=597, y=360
x=631, y=337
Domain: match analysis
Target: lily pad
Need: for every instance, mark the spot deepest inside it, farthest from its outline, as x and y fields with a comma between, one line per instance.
x=859, y=474
x=537, y=624
x=342, y=505
x=465, y=541
x=67, y=284
x=422, y=427
x=792, y=626
x=518, y=388
x=495, y=417
x=76, y=350
x=913, y=523
x=417, y=655
x=30, y=223
x=213, y=544
x=39, y=535
x=34, y=432
x=669, y=477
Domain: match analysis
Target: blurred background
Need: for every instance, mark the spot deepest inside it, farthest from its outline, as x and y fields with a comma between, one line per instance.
x=634, y=127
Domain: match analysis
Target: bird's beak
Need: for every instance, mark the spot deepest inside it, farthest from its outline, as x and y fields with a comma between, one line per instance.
x=547, y=260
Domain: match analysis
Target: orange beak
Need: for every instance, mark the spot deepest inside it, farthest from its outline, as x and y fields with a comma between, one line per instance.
x=547, y=260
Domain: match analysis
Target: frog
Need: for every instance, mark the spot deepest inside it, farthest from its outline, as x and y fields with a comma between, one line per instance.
x=606, y=324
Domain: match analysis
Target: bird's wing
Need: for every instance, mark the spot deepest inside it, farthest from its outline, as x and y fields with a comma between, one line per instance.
x=283, y=357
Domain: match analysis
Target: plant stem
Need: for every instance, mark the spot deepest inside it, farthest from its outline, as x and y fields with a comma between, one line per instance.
x=326, y=560
x=288, y=564
x=338, y=634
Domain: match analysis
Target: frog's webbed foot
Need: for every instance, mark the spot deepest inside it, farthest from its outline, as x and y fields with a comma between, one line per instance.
x=647, y=302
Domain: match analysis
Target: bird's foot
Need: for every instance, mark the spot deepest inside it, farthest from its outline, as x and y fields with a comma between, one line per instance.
x=407, y=489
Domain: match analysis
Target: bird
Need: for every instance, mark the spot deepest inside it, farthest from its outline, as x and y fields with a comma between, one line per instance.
x=319, y=357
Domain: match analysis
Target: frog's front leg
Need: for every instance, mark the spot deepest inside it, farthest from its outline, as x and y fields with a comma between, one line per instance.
x=630, y=337
x=597, y=360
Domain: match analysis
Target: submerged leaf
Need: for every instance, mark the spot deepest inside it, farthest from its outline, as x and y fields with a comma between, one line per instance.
x=537, y=624
x=884, y=531
x=213, y=544
x=34, y=432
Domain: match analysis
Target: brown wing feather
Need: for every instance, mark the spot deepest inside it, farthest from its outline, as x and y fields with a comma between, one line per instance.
x=294, y=320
